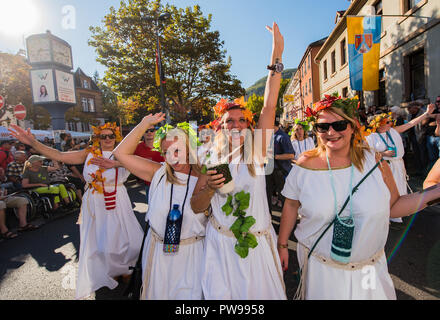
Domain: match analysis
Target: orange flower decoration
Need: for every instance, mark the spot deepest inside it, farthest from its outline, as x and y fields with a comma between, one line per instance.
x=224, y=105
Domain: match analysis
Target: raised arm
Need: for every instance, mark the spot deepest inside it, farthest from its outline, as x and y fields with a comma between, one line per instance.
x=124, y=152
x=433, y=176
x=267, y=117
x=26, y=137
x=402, y=128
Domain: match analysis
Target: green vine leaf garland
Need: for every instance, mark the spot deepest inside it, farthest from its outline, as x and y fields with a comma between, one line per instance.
x=236, y=205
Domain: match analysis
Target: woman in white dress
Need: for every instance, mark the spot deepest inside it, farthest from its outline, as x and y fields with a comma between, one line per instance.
x=301, y=142
x=387, y=141
x=110, y=235
x=339, y=267
x=236, y=268
x=168, y=275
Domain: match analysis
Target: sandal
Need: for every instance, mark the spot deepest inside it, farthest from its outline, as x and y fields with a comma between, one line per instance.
x=9, y=235
x=28, y=227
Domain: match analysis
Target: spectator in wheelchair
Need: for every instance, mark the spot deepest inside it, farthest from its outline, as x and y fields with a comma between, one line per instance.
x=20, y=203
x=65, y=174
x=36, y=176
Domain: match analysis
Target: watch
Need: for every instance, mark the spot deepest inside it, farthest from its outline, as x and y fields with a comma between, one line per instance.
x=277, y=67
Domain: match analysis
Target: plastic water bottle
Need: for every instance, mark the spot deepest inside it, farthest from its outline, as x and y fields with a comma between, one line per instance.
x=172, y=230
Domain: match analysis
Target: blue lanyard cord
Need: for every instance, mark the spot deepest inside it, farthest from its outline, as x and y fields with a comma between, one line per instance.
x=299, y=146
x=334, y=190
x=389, y=136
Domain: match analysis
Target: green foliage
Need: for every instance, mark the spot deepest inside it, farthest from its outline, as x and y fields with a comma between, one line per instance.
x=237, y=204
x=162, y=132
x=196, y=69
x=259, y=86
x=16, y=88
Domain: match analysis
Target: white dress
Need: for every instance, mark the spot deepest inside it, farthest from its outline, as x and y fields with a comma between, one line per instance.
x=396, y=163
x=227, y=276
x=371, y=211
x=301, y=146
x=110, y=240
x=173, y=276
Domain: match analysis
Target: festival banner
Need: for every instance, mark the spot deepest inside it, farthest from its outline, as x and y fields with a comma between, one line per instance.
x=364, y=52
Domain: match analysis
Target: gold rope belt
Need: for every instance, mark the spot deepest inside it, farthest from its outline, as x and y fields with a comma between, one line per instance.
x=154, y=239
x=225, y=231
x=351, y=266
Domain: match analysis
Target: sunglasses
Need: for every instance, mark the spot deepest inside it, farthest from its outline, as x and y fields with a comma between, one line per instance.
x=323, y=127
x=151, y=130
x=105, y=136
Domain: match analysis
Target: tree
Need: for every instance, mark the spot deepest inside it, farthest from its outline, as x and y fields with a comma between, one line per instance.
x=16, y=88
x=192, y=56
x=255, y=104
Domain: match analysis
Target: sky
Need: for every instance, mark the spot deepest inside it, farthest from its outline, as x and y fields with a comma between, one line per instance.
x=241, y=24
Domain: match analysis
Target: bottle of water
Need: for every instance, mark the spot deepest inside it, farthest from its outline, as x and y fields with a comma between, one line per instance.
x=172, y=230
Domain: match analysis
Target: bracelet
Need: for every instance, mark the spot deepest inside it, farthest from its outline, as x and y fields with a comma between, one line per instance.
x=282, y=246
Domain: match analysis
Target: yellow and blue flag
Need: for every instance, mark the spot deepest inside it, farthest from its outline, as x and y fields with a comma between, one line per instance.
x=364, y=52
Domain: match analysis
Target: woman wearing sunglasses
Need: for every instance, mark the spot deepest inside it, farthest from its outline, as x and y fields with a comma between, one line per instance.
x=345, y=195
x=110, y=234
x=173, y=248
x=387, y=141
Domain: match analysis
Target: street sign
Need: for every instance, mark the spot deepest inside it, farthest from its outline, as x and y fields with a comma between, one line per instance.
x=20, y=112
x=2, y=102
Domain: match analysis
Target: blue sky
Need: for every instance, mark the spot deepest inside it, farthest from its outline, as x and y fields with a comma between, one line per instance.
x=241, y=24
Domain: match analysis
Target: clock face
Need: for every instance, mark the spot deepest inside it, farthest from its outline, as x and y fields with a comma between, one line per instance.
x=38, y=50
x=61, y=53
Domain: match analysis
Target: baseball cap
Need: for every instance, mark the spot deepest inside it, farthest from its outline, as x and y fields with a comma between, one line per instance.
x=35, y=157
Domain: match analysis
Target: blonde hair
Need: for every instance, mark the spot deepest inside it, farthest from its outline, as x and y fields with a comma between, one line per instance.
x=357, y=150
x=295, y=126
x=190, y=154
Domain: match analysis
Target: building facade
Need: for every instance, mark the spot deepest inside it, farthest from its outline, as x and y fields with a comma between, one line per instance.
x=89, y=109
x=409, y=65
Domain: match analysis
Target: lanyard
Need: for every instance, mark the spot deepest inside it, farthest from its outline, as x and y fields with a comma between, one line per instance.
x=186, y=193
x=334, y=190
x=299, y=146
x=389, y=136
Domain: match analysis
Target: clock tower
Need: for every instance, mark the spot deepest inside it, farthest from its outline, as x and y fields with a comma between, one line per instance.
x=52, y=82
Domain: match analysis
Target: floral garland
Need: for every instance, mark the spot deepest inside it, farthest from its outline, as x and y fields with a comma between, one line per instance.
x=97, y=179
x=350, y=107
x=224, y=105
x=162, y=132
x=380, y=120
x=307, y=124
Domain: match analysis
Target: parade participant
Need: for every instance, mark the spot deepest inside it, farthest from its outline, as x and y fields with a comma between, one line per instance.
x=145, y=150
x=301, y=142
x=339, y=241
x=387, y=141
x=110, y=235
x=169, y=272
x=36, y=176
x=243, y=263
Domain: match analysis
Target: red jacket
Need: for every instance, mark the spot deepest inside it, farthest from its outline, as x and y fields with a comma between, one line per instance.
x=5, y=158
x=145, y=152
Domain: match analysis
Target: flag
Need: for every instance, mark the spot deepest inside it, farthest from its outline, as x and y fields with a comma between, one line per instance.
x=364, y=52
x=157, y=72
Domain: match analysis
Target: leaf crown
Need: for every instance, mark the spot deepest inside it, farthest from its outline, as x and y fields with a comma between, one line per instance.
x=107, y=126
x=224, y=105
x=162, y=132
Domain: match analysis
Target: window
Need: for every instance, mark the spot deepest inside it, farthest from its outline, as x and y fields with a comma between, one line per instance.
x=333, y=61
x=88, y=104
x=310, y=58
x=71, y=126
x=305, y=92
x=91, y=105
x=409, y=4
x=325, y=69
x=380, y=97
x=343, y=52
x=378, y=8
x=86, y=84
x=414, y=66
x=85, y=127
x=344, y=92
x=310, y=85
x=85, y=104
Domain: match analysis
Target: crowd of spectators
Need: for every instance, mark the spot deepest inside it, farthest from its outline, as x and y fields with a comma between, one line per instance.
x=22, y=168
